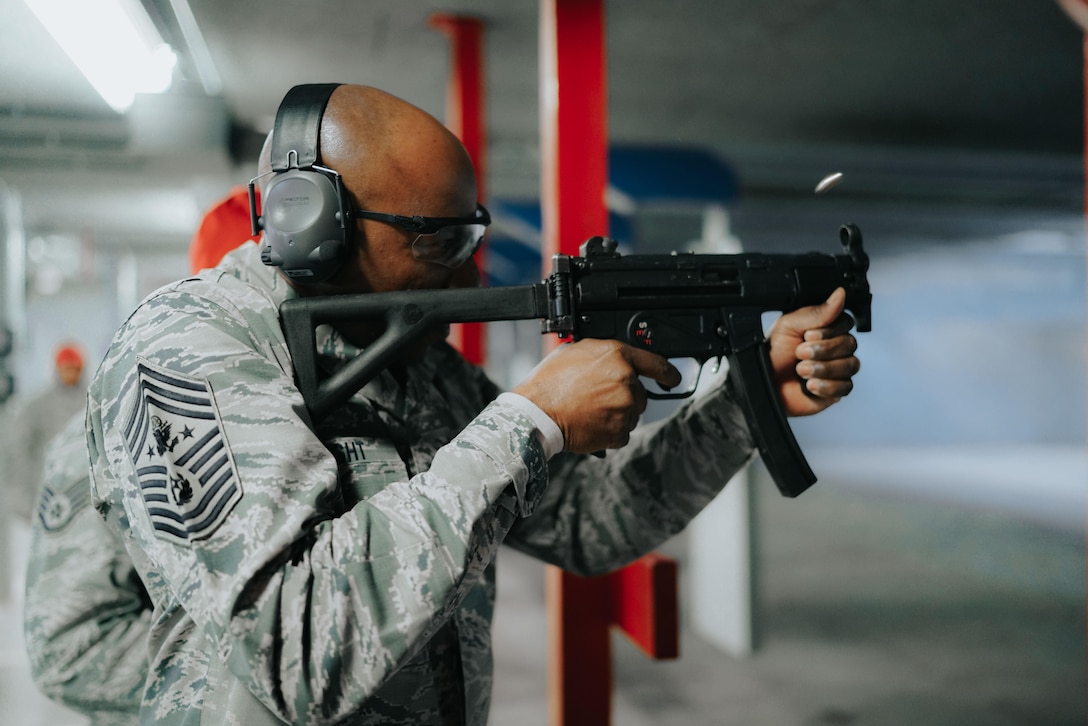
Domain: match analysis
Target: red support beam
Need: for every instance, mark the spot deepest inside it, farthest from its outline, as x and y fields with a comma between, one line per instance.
x=574, y=132
x=641, y=598
x=579, y=649
x=466, y=117
x=644, y=605
x=574, y=172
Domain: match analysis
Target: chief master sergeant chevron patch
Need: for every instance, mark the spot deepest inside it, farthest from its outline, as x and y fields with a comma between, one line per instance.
x=186, y=472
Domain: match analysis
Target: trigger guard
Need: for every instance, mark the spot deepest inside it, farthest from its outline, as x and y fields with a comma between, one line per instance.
x=678, y=395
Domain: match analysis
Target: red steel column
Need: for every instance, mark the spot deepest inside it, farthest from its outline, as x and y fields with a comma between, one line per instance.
x=466, y=117
x=574, y=123
x=640, y=598
x=574, y=172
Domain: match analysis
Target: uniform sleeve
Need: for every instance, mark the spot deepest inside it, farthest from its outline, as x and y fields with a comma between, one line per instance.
x=86, y=614
x=599, y=514
x=201, y=442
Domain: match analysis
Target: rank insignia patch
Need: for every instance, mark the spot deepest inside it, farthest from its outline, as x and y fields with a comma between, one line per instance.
x=186, y=472
x=55, y=509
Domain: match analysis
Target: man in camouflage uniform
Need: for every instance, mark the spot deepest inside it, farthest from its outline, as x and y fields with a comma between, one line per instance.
x=342, y=570
x=29, y=423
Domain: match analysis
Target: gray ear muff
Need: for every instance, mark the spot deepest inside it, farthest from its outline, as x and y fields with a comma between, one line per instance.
x=304, y=205
x=304, y=231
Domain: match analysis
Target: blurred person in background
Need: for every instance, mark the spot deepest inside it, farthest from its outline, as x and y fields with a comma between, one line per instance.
x=87, y=614
x=27, y=424
x=30, y=423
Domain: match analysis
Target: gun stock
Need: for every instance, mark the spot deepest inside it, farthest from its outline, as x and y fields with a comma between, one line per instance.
x=406, y=315
x=679, y=306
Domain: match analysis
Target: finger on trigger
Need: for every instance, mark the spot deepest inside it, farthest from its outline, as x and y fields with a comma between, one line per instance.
x=653, y=366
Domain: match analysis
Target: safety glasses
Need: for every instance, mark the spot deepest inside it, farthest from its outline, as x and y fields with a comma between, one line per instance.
x=446, y=241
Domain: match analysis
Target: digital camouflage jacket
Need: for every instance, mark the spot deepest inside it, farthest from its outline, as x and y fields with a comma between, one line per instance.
x=342, y=571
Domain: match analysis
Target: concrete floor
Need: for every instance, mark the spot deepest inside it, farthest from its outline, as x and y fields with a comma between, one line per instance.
x=876, y=609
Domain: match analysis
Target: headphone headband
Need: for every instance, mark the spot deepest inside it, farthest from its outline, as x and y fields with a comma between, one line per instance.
x=298, y=126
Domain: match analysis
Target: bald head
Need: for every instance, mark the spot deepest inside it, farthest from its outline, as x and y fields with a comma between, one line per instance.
x=385, y=148
x=378, y=142
x=392, y=158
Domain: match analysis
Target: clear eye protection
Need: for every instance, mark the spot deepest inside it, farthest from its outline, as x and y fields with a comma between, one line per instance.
x=446, y=241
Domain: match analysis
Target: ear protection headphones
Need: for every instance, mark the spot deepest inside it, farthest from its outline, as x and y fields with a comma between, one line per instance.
x=305, y=207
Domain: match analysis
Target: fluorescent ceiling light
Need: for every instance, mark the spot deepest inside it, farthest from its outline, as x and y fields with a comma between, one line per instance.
x=113, y=44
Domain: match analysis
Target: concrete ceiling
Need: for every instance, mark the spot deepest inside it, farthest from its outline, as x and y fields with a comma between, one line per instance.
x=978, y=98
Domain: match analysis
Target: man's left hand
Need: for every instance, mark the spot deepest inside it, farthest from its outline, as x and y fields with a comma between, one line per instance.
x=812, y=354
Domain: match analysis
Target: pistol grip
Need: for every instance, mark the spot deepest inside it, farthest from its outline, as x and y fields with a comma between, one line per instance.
x=753, y=381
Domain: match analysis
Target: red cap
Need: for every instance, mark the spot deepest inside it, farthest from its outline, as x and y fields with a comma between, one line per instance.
x=68, y=355
x=225, y=226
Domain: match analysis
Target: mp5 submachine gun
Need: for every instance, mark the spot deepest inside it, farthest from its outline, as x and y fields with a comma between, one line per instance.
x=699, y=306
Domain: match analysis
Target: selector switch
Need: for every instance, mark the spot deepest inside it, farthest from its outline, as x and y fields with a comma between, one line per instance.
x=641, y=333
x=682, y=333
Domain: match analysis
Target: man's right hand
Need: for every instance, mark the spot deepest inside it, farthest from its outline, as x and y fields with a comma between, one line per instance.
x=591, y=389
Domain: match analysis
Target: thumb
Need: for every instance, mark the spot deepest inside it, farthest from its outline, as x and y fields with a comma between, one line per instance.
x=814, y=317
